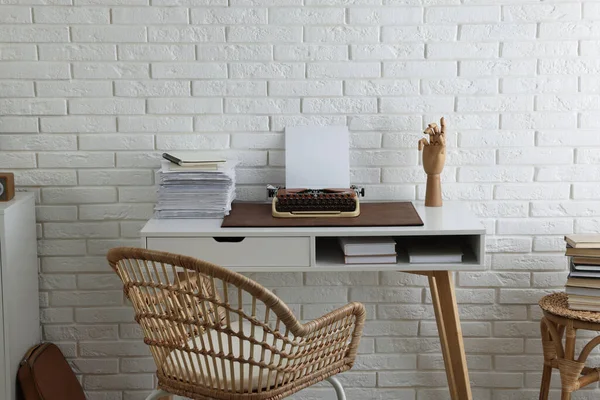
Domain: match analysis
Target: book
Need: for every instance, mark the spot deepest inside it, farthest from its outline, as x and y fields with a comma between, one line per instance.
x=589, y=252
x=372, y=259
x=586, y=261
x=583, y=241
x=587, y=268
x=584, y=268
x=421, y=254
x=588, y=307
x=168, y=167
x=582, y=291
x=576, y=298
x=583, y=282
x=584, y=274
x=183, y=161
x=368, y=245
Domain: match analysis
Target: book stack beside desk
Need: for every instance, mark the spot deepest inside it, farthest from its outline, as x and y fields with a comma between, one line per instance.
x=583, y=283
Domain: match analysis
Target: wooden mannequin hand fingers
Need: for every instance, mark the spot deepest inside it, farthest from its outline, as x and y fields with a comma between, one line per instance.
x=443, y=124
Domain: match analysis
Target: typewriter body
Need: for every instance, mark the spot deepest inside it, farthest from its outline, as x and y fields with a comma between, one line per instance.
x=299, y=203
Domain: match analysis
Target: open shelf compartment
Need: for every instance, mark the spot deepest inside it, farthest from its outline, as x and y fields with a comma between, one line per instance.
x=329, y=253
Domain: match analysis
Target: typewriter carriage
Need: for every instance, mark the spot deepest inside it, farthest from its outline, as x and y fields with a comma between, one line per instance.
x=272, y=190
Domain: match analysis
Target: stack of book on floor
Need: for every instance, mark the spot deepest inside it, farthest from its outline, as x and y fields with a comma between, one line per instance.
x=368, y=250
x=194, y=187
x=583, y=284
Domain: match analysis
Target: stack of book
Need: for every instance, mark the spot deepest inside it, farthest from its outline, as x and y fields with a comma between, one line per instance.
x=194, y=188
x=583, y=284
x=368, y=250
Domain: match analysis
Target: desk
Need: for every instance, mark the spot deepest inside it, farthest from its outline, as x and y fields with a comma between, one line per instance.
x=316, y=249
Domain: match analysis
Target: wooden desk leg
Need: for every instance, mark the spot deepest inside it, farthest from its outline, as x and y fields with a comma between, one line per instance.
x=450, y=332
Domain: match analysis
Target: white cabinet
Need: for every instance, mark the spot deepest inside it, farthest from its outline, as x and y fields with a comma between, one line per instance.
x=19, y=298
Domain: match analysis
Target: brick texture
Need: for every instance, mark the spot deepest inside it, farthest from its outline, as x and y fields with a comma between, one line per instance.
x=91, y=91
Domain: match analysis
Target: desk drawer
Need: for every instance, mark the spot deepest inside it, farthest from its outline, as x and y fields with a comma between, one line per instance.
x=240, y=251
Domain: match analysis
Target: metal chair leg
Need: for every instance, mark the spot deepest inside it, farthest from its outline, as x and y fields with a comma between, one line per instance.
x=337, y=385
x=157, y=394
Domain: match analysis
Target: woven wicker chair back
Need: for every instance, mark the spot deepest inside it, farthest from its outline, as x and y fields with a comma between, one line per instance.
x=218, y=333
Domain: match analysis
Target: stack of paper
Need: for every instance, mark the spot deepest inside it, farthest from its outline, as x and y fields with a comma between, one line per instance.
x=368, y=250
x=195, y=192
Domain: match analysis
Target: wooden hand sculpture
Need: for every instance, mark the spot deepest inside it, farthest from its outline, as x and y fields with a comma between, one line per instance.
x=434, y=157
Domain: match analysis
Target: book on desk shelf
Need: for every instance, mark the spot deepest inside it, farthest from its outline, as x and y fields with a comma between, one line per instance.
x=368, y=246
x=442, y=253
x=379, y=259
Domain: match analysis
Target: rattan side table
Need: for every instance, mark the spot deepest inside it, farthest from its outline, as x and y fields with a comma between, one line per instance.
x=559, y=321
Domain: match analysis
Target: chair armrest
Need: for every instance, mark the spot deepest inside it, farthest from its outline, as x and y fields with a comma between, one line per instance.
x=357, y=309
x=334, y=336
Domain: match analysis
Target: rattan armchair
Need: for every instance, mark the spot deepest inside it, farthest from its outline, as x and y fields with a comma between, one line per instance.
x=215, y=334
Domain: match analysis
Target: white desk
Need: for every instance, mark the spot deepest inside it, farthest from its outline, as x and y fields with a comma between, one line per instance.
x=316, y=249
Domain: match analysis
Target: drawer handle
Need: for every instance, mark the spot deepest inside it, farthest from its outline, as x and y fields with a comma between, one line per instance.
x=229, y=239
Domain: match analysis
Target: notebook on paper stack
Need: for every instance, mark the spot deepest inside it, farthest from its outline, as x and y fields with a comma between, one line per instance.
x=583, y=284
x=368, y=250
x=180, y=163
x=194, y=187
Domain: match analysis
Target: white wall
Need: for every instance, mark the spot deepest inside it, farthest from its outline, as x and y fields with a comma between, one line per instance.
x=94, y=90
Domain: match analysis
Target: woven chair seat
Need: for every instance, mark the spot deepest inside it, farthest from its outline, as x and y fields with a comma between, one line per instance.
x=557, y=304
x=232, y=373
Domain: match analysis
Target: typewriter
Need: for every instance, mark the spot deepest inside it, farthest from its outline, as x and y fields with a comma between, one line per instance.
x=298, y=203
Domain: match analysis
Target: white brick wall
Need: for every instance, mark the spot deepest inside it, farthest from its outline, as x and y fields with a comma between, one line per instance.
x=92, y=91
